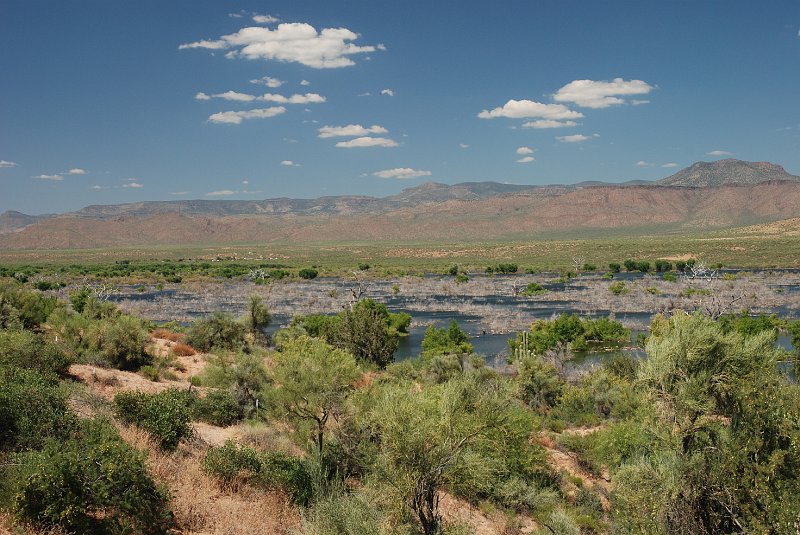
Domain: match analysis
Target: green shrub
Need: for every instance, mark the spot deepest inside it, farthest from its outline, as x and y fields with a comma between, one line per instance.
x=120, y=342
x=219, y=330
x=26, y=307
x=269, y=469
x=534, y=288
x=25, y=349
x=618, y=288
x=93, y=483
x=614, y=267
x=308, y=273
x=231, y=461
x=670, y=277
x=662, y=266
x=164, y=415
x=218, y=407
x=344, y=514
x=461, y=278
x=589, y=267
x=33, y=408
x=538, y=384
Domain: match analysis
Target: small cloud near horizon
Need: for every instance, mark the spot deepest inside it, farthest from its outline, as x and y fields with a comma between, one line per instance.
x=719, y=153
x=49, y=177
x=402, y=173
x=5, y=164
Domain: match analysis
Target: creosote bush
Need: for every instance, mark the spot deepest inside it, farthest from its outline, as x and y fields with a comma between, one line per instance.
x=91, y=483
x=164, y=415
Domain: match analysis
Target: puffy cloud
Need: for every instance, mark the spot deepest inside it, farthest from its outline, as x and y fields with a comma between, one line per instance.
x=548, y=123
x=387, y=92
x=201, y=96
x=601, y=94
x=132, y=184
x=268, y=81
x=49, y=177
x=76, y=171
x=463, y=145
x=524, y=150
x=291, y=42
x=351, y=130
x=670, y=165
x=367, y=141
x=220, y=193
x=5, y=164
x=521, y=109
x=289, y=163
x=308, y=98
x=401, y=173
x=526, y=159
x=305, y=82
x=264, y=19
x=575, y=138
x=236, y=117
x=642, y=163
x=719, y=153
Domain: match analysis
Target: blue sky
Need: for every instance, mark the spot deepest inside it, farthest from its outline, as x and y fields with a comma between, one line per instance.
x=107, y=101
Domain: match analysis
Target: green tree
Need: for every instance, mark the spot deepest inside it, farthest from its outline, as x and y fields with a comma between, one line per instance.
x=364, y=331
x=449, y=341
x=312, y=380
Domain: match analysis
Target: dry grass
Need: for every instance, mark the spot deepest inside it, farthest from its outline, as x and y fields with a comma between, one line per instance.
x=165, y=334
x=183, y=350
x=201, y=506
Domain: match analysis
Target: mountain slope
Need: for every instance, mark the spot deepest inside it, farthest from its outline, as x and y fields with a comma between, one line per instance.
x=729, y=171
x=578, y=212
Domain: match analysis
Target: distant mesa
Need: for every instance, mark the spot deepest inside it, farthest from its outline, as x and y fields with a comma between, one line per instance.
x=727, y=172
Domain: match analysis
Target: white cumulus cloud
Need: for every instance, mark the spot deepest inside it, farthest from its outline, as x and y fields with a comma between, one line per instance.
x=268, y=81
x=5, y=164
x=234, y=96
x=642, y=163
x=305, y=82
x=49, y=177
x=548, y=123
x=522, y=109
x=575, y=138
x=76, y=171
x=524, y=150
x=367, y=141
x=350, y=130
x=289, y=163
x=202, y=96
x=387, y=92
x=296, y=42
x=132, y=184
x=719, y=153
x=236, y=117
x=670, y=165
x=601, y=94
x=463, y=145
x=401, y=173
x=526, y=159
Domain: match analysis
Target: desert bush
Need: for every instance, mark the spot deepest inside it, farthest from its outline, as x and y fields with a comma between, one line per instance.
x=534, y=288
x=164, y=415
x=25, y=349
x=33, y=409
x=343, y=514
x=27, y=308
x=269, y=469
x=618, y=288
x=219, y=330
x=218, y=407
x=168, y=334
x=662, y=266
x=120, y=342
x=232, y=461
x=538, y=384
x=308, y=273
x=614, y=267
x=93, y=483
x=670, y=277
